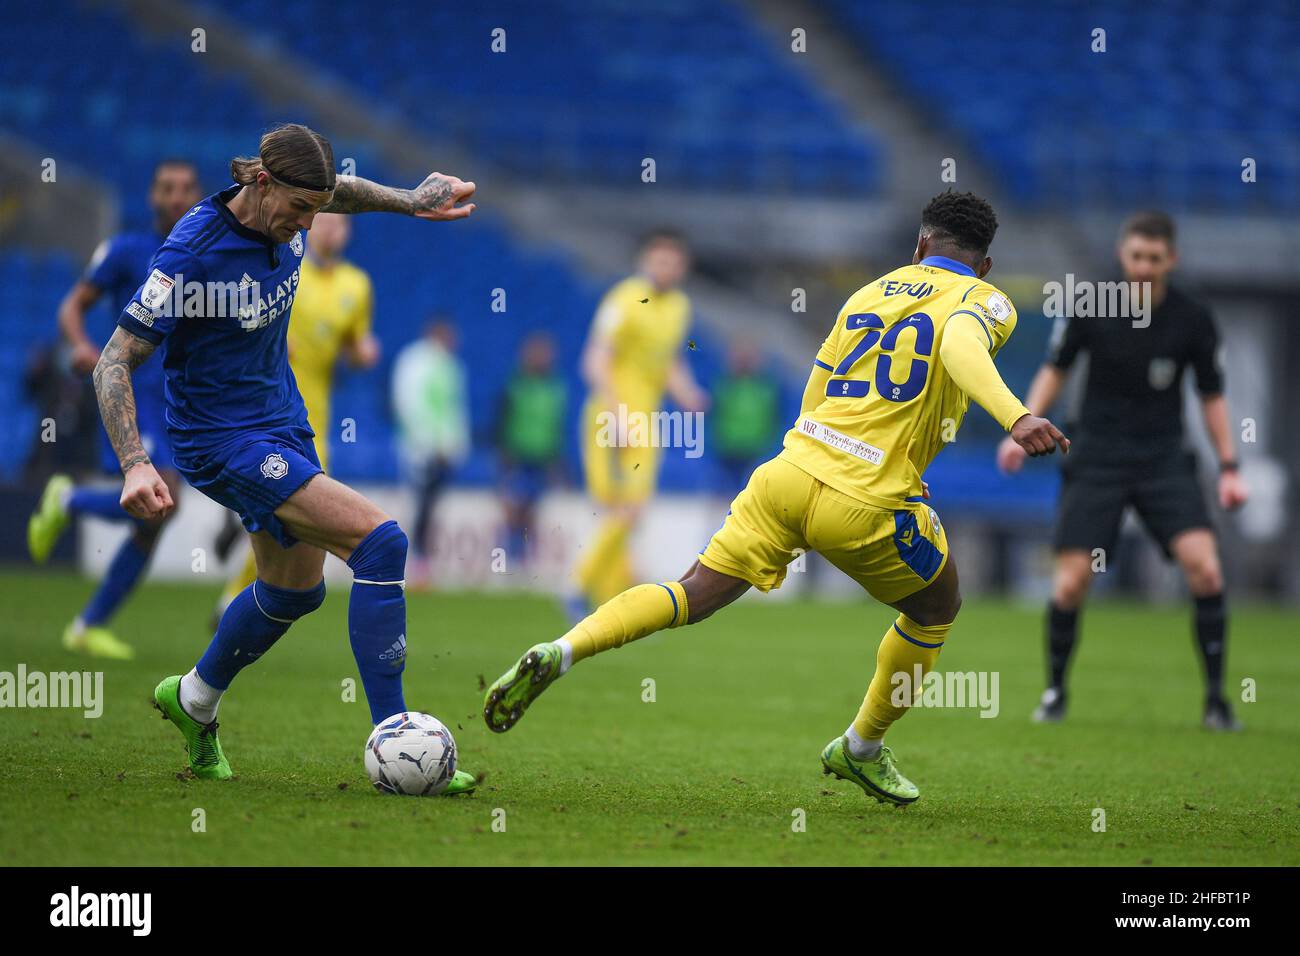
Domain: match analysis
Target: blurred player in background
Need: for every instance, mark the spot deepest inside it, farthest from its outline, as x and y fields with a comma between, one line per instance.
x=904, y=358
x=114, y=272
x=432, y=409
x=746, y=418
x=333, y=313
x=633, y=354
x=1131, y=450
x=530, y=438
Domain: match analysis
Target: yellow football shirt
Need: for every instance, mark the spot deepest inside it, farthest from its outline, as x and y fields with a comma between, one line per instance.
x=332, y=307
x=890, y=403
x=645, y=329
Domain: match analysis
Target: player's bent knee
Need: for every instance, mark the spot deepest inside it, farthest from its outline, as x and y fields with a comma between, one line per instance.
x=1069, y=589
x=287, y=604
x=628, y=513
x=1205, y=579
x=707, y=591
x=380, y=558
x=954, y=608
x=941, y=614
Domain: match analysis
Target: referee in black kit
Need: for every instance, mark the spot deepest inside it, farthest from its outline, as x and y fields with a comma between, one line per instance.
x=1130, y=449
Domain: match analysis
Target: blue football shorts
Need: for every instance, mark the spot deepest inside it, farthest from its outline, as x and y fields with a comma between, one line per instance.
x=255, y=474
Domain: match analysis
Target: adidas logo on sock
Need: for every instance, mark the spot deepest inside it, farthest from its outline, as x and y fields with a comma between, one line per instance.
x=397, y=652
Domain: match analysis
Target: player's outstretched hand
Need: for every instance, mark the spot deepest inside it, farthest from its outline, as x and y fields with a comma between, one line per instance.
x=1232, y=491
x=145, y=494
x=1011, y=457
x=436, y=198
x=1037, y=436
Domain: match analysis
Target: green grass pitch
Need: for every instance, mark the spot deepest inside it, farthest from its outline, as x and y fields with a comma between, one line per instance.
x=711, y=772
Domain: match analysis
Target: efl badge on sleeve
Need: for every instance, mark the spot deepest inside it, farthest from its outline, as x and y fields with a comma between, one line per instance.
x=157, y=290
x=998, y=307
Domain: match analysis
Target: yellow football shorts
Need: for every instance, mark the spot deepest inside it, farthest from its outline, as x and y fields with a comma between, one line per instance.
x=619, y=468
x=784, y=511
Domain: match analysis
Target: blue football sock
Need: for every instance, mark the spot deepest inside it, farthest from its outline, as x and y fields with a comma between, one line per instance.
x=126, y=568
x=517, y=546
x=377, y=617
x=100, y=502
x=257, y=618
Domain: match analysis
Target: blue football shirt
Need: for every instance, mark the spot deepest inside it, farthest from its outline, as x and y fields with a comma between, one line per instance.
x=217, y=300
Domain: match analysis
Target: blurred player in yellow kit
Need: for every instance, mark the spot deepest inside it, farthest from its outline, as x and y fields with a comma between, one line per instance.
x=634, y=353
x=890, y=385
x=332, y=316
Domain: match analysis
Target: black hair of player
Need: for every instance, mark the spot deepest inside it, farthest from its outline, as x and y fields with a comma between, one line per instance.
x=174, y=162
x=959, y=225
x=665, y=236
x=1150, y=223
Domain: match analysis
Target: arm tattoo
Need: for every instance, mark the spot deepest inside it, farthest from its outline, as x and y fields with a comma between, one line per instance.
x=352, y=194
x=121, y=356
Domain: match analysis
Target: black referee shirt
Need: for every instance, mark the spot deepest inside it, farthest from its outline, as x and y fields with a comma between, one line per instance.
x=1132, y=407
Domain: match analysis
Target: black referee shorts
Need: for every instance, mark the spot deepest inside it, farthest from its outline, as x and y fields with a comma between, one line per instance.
x=1164, y=492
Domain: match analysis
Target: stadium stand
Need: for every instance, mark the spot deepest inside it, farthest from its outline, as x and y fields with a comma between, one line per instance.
x=1043, y=110
x=696, y=86
x=417, y=270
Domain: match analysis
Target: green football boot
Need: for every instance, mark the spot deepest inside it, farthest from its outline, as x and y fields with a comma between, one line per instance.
x=97, y=642
x=49, y=519
x=879, y=777
x=461, y=782
x=201, y=743
x=514, y=691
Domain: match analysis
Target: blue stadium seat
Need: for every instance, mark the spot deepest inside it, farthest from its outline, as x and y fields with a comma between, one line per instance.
x=694, y=86
x=1149, y=120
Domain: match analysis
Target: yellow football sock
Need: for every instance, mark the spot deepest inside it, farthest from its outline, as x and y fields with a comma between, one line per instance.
x=634, y=614
x=905, y=645
x=245, y=576
x=617, y=576
x=602, y=554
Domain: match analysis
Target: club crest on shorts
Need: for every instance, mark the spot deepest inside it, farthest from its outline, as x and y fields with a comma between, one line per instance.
x=274, y=466
x=1161, y=373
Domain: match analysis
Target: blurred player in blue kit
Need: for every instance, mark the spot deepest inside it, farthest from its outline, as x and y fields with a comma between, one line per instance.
x=114, y=274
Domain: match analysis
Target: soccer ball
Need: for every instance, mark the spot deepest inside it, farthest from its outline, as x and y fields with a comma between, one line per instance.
x=411, y=753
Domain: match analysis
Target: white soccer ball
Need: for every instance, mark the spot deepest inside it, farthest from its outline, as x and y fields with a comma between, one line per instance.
x=411, y=753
